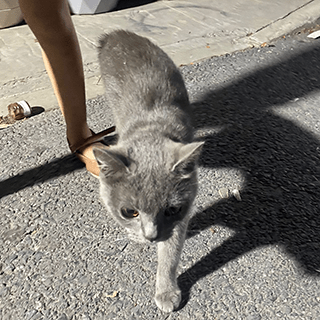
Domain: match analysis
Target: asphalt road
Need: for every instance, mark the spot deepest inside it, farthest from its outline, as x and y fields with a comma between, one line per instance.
x=62, y=257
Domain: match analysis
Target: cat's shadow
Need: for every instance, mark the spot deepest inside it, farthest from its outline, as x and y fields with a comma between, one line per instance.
x=280, y=160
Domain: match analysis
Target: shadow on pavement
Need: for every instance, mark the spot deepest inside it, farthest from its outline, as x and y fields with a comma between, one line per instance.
x=279, y=159
x=55, y=168
x=125, y=4
x=281, y=163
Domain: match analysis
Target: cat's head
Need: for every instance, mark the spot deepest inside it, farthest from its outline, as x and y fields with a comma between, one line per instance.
x=149, y=192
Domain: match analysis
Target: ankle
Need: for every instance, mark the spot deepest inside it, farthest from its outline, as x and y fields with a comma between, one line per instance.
x=76, y=136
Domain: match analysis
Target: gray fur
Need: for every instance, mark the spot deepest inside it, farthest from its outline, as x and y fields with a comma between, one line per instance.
x=152, y=168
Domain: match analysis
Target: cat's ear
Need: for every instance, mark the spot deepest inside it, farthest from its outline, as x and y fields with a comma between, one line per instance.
x=111, y=162
x=185, y=156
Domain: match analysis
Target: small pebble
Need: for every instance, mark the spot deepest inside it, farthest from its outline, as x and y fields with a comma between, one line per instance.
x=224, y=193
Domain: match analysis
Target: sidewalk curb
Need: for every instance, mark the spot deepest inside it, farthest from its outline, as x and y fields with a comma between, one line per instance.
x=309, y=13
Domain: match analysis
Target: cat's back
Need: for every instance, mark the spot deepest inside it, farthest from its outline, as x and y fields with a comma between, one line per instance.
x=132, y=67
x=142, y=84
x=125, y=51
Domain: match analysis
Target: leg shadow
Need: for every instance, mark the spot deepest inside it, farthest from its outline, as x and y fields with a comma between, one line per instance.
x=56, y=168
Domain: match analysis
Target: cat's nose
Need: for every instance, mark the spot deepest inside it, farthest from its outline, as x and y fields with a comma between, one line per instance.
x=150, y=232
x=151, y=238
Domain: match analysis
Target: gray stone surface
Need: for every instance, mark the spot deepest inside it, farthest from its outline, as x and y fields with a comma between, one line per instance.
x=187, y=30
x=62, y=257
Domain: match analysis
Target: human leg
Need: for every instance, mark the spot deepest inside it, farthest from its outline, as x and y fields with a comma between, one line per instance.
x=51, y=23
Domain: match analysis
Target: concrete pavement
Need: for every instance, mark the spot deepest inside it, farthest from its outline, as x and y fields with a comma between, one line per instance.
x=188, y=31
x=63, y=257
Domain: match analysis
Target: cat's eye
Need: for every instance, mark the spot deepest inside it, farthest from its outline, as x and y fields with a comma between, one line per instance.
x=172, y=211
x=129, y=213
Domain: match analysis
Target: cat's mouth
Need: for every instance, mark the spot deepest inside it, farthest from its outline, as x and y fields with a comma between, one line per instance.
x=140, y=238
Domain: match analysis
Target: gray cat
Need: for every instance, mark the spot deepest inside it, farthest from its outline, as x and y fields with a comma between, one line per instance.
x=148, y=179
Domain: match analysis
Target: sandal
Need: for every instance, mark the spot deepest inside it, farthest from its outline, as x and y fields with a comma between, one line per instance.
x=91, y=164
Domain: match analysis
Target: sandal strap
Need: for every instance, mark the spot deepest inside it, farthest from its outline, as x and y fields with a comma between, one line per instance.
x=94, y=138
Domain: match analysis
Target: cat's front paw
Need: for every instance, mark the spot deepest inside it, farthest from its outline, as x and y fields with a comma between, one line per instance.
x=168, y=301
